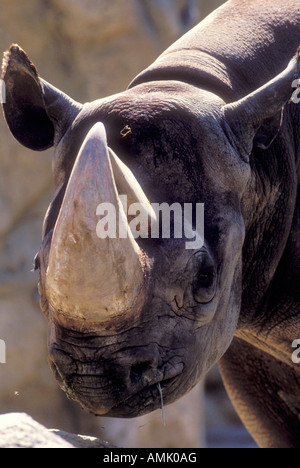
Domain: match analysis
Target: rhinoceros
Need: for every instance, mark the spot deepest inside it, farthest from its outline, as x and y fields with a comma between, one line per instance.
x=214, y=120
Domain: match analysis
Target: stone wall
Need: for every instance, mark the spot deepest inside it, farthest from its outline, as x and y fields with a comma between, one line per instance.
x=88, y=49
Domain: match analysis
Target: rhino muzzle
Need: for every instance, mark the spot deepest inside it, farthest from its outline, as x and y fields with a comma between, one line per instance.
x=90, y=280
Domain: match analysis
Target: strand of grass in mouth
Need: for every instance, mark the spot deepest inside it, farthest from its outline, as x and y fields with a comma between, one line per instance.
x=162, y=403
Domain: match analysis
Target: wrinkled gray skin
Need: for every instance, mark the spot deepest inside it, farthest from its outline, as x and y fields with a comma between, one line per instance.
x=193, y=139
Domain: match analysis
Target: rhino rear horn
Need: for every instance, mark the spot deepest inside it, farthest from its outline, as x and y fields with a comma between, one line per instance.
x=36, y=112
x=256, y=119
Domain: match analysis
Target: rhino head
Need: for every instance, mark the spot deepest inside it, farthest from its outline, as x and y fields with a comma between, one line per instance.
x=127, y=313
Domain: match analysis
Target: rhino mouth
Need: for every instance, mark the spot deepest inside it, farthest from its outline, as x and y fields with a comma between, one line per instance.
x=147, y=400
x=109, y=394
x=151, y=397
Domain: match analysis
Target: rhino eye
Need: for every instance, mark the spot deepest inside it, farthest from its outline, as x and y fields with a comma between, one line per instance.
x=205, y=278
x=204, y=287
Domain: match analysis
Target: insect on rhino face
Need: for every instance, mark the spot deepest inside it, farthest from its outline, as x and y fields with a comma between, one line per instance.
x=126, y=313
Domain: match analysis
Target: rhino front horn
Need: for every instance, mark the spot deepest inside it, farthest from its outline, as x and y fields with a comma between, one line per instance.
x=90, y=280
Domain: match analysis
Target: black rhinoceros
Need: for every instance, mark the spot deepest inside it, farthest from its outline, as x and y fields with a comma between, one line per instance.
x=214, y=121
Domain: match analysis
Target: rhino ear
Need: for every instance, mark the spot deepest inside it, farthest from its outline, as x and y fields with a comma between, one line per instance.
x=256, y=119
x=37, y=113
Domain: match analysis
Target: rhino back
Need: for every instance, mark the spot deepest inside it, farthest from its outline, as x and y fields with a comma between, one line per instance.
x=235, y=50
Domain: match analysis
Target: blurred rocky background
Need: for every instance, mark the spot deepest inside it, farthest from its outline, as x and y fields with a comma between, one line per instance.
x=89, y=49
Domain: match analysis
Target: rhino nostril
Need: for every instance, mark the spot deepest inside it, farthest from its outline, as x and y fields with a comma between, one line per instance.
x=138, y=366
x=142, y=371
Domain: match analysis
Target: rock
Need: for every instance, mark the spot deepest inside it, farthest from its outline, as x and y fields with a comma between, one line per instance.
x=80, y=441
x=19, y=430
